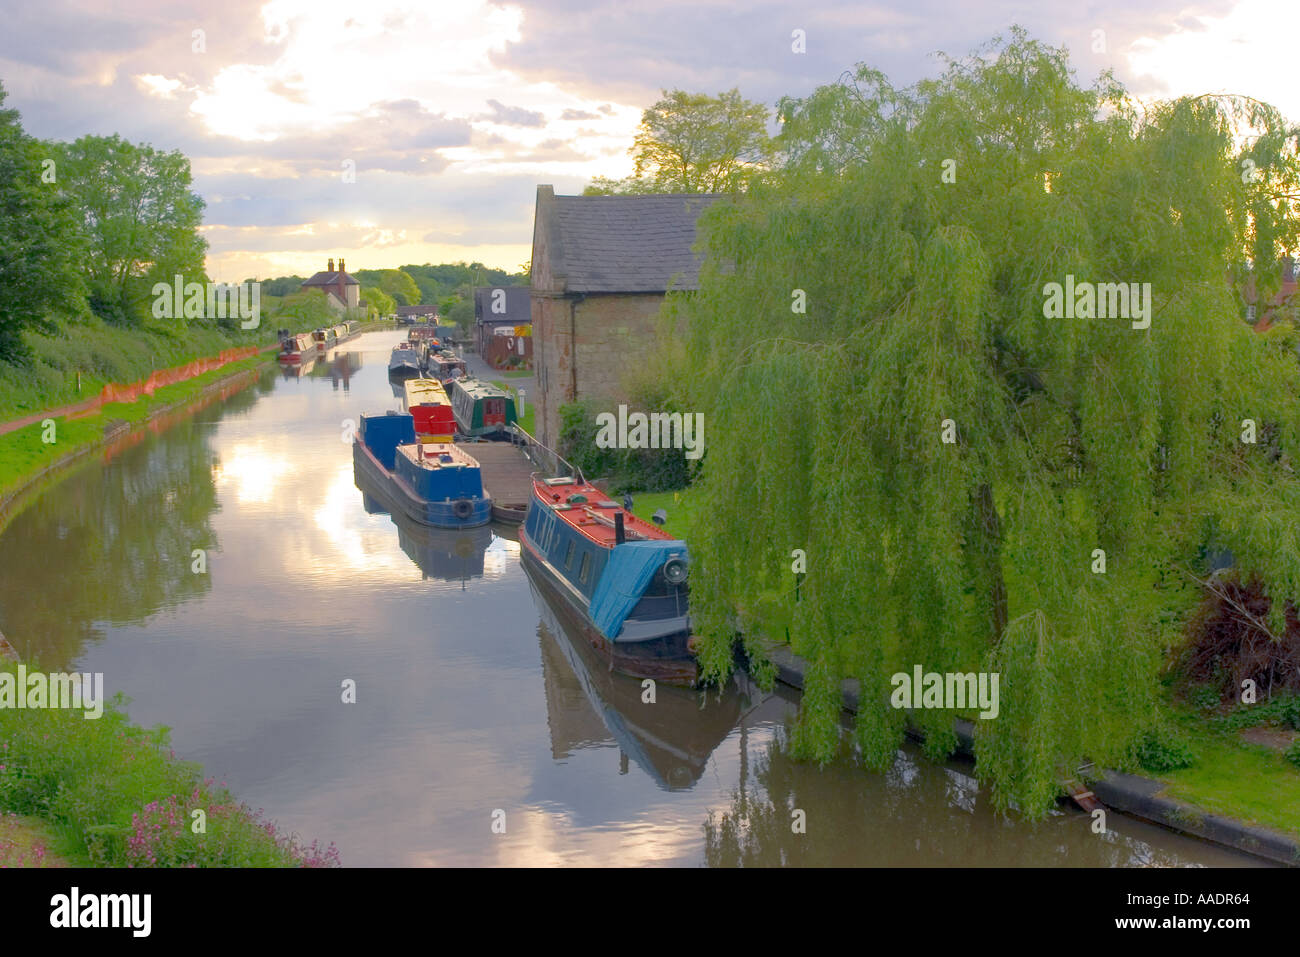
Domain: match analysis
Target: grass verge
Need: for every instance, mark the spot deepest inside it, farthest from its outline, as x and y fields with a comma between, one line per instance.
x=105, y=792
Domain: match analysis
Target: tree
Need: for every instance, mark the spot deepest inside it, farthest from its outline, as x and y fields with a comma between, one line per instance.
x=140, y=217
x=695, y=143
x=40, y=243
x=978, y=487
x=378, y=301
x=394, y=282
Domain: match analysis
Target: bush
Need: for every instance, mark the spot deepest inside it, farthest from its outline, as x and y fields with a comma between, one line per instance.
x=1292, y=753
x=121, y=798
x=646, y=470
x=1159, y=749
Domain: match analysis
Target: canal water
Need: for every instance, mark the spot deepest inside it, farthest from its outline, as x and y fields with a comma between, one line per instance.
x=472, y=704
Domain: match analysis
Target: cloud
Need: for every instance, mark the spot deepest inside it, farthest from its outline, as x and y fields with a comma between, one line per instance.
x=284, y=92
x=514, y=115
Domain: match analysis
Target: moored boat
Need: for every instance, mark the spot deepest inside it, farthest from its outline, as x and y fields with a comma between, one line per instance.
x=433, y=483
x=404, y=361
x=294, y=348
x=444, y=366
x=428, y=404
x=481, y=408
x=622, y=579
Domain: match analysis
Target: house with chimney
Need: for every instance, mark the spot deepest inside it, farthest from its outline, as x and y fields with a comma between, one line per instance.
x=601, y=267
x=342, y=291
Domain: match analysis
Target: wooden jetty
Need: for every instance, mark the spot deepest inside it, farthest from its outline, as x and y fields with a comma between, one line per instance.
x=506, y=477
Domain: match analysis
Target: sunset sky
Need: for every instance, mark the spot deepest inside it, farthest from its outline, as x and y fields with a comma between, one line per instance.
x=452, y=113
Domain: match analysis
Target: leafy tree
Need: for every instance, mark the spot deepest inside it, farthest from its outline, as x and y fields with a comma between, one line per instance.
x=40, y=243
x=140, y=217
x=695, y=143
x=393, y=282
x=921, y=228
x=378, y=301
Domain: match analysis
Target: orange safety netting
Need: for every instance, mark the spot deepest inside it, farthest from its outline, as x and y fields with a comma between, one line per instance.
x=116, y=392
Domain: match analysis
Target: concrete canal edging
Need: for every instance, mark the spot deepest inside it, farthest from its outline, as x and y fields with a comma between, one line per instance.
x=1129, y=794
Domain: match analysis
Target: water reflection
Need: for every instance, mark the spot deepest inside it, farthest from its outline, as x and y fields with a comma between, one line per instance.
x=671, y=739
x=472, y=696
x=917, y=813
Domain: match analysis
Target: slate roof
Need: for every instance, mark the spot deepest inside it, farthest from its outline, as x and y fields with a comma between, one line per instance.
x=622, y=243
x=519, y=310
x=323, y=278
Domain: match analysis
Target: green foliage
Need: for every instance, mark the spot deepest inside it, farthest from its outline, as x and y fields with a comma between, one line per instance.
x=648, y=470
x=925, y=303
x=378, y=301
x=120, y=797
x=40, y=241
x=1159, y=749
x=695, y=143
x=1292, y=753
x=140, y=217
x=393, y=282
x=1282, y=710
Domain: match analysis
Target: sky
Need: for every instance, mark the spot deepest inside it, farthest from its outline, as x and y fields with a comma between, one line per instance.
x=396, y=131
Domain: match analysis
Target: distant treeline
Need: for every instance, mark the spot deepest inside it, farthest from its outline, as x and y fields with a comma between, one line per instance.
x=450, y=286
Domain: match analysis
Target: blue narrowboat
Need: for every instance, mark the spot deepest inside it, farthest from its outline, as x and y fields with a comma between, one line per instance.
x=621, y=579
x=433, y=483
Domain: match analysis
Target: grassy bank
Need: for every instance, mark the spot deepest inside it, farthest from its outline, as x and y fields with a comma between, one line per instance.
x=24, y=453
x=101, y=353
x=526, y=420
x=105, y=792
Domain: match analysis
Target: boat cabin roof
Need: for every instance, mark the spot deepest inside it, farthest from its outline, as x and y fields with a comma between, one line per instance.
x=481, y=390
x=426, y=392
x=437, y=455
x=590, y=511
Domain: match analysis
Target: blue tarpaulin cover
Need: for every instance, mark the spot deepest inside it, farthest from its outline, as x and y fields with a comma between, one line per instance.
x=624, y=580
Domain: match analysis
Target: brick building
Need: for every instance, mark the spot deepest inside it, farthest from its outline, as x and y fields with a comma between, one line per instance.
x=500, y=312
x=342, y=291
x=600, y=268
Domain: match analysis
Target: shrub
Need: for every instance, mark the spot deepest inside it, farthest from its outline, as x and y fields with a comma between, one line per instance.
x=1159, y=749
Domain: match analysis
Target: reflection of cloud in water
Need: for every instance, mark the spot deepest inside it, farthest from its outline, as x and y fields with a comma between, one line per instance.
x=500, y=555
x=359, y=543
x=253, y=470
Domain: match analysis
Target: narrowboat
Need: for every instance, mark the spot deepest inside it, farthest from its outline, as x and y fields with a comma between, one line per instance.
x=294, y=348
x=621, y=579
x=444, y=366
x=428, y=404
x=481, y=408
x=433, y=483
x=405, y=361
x=324, y=338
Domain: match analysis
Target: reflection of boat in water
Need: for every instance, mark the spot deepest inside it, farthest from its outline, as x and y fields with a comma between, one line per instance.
x=448, y=554
x=671, y=739
x=623, y=579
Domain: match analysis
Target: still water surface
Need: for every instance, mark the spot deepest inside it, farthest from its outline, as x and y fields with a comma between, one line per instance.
x=470, y=697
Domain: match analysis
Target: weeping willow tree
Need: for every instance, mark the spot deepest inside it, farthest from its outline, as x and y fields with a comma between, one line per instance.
x=1089, y=459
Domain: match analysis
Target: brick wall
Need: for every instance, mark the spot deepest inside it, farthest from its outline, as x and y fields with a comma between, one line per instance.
x=611, y=334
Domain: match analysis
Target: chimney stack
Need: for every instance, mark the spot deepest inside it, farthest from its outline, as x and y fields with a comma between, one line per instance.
x=331, y=265
x=341, y=269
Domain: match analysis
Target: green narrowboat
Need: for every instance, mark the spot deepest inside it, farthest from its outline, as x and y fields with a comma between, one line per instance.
x=481, y=408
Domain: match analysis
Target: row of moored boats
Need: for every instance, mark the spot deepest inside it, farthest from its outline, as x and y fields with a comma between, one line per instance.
x=617, y=580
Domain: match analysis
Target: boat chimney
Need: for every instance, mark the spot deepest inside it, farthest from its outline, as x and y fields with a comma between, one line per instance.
x=618, y=528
